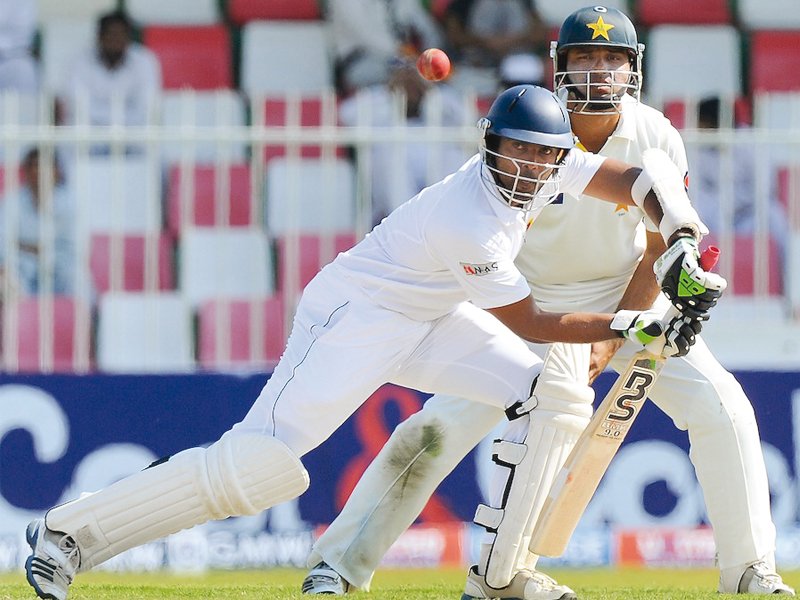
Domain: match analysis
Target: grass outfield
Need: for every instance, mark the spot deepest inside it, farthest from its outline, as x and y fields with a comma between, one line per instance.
x=428, y=584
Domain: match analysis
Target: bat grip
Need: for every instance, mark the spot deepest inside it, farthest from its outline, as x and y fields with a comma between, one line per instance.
x=709, y=258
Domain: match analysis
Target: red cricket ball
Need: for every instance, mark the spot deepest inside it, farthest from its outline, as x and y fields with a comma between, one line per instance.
x=433, y=64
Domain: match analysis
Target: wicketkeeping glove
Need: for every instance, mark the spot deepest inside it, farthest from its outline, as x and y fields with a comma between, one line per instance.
x=692, y=290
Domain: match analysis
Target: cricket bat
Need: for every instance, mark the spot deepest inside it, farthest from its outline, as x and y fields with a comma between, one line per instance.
x=585, y=466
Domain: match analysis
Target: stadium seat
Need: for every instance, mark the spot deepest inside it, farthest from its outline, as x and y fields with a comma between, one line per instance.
x=217, y=262
x=205, y=109
x=768, y=14
x=52, y=336
x=554, y=13
x=308, y=111
x=118, y=194
x=56, y=10
x=62, y=40
x=679, y=113
x=192, y=57
x=777, y=110
x=679, y=58
x=140, y=332
x=738, y=265
x=137, y=264
x=240, y=334
x=272, y=64
x=774, y=60
x=174, y=12
x=243, y=11
x=682, y=12
x=207, y=206
x=313, y=251
x=309, y=195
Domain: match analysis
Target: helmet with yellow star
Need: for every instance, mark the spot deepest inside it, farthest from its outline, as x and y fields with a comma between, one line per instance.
x=591, y=86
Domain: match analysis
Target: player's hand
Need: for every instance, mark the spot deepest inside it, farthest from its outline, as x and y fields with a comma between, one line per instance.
x=646, y=328
x=691, y=289
x=680, y=335
x=602, y=353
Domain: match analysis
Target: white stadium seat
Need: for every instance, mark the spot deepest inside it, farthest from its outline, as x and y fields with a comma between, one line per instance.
x=173, y=12
x=271, y=62
x=768, y=14
x=118, y=194
x=204, y=110
x=62, y=41
x=55, y=10
x=679, y=59
x=144, y=332
x=310, y=195
x=218, y=262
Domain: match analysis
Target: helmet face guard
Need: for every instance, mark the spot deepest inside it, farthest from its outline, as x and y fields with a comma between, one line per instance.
x=596, y=26
x=534, y=115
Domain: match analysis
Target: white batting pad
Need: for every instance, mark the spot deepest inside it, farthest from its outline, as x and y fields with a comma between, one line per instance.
x=241, y=474
x=534, y=452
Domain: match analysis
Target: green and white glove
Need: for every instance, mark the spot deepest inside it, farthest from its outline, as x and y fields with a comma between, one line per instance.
x=692, y=290
x=670, y=334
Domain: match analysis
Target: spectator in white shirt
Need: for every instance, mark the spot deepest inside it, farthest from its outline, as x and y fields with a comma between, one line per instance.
x=18, y=68
x=116, y=82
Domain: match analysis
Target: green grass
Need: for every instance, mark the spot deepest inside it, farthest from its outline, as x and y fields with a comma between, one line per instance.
x=442, y=584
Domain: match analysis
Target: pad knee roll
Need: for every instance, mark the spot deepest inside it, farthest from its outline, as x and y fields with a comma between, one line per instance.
x=241, y=474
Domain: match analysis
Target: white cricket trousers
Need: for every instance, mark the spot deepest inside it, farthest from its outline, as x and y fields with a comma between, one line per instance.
x=343, y=347
x=696, y=392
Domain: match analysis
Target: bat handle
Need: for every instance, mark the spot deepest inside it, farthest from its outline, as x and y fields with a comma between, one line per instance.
x=709, y=258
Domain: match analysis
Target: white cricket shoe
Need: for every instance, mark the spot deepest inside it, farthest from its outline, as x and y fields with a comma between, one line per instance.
x=758, y=578
x=323, y=579
x=54, y=559
x=526, y=585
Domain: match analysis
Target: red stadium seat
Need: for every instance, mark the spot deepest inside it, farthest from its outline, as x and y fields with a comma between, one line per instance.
x=132, y=263
x=774, y=58
x=789, y=194
x=675, y=111
x=192, y=57
x=683, y=12
x=310, y=114
x=742, y=255
x=69, y=335
x=242, y=11
x=204, y=203
x=313, y=254
x=233, y=323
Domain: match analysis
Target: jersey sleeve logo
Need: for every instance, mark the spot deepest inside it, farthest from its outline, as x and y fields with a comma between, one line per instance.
x=479, y=269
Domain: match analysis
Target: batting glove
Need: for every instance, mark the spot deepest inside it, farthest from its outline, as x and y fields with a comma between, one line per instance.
x=691, y=290
x=660, y=334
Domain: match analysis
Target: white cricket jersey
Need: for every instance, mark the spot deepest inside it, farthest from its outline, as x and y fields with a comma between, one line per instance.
x=580, y=253
x=454, y=241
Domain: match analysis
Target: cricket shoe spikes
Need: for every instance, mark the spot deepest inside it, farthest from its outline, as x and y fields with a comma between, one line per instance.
x=53, y=562
x=323, y=579
x=526, y=585
x=758, y=578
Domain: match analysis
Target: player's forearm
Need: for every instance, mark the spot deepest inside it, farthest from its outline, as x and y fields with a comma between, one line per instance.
x=533, y=325
x=643, y=289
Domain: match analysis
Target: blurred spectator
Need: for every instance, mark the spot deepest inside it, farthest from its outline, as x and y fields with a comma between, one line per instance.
x=18, y=68
x=115, y=82
x=398, y=170
x=41, y=211
x=481, y=33
x=369, y=34
x=723, y=180
x=518, y=69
